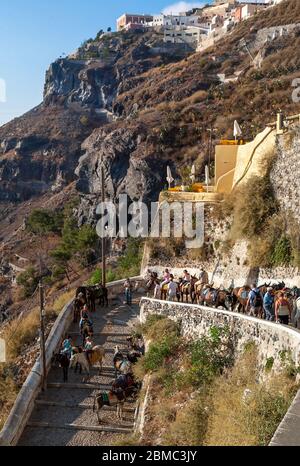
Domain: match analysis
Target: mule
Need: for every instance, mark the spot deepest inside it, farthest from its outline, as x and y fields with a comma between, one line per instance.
x=96, y=357
x=112, y=398
x=188, y=290
x=121, y=364
x=91, y=299
x=136, y=344
x=77, y=306
x=240, y=298
x=102, y=295
x=126, y=383
x=217, y=298
x=86, y=331
x=64, y=362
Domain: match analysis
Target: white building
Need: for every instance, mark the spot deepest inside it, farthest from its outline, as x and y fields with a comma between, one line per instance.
x=184, y=34
x=172, y=20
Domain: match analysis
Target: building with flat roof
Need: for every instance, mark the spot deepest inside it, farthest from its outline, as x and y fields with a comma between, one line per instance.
x=174, y=20
x=134, y=19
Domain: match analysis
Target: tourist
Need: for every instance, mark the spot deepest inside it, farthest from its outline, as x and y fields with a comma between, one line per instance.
x=203, y=277
x=156, y=294
x=128, y=291
x=283, y=309
x=67, y=347
x=255, y=301
x=268, y=304
x=172, y=289
x=186, y=278
x=84, y=312
x=166, y=278
x=88, y=348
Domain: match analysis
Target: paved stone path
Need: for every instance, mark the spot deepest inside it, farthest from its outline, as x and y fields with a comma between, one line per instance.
x=65, y=409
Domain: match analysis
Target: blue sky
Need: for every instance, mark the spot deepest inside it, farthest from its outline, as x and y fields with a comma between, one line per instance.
x=33, y=33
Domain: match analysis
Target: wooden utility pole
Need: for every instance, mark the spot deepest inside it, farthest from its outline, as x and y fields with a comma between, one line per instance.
x=103, y=237
x=42, y=332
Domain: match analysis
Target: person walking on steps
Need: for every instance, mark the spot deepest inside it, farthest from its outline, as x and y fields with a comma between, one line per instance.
x=128, y=291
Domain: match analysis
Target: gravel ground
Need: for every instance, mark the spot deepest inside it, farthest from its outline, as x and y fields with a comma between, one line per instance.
x=112, y=326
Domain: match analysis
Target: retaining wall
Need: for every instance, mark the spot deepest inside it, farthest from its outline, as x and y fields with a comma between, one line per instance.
x=271, y=338
x=24, y=403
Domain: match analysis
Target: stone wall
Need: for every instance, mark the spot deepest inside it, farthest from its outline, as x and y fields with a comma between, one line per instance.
x=285, y=173
x=271, y=338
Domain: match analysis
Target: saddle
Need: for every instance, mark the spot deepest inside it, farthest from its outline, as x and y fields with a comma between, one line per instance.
x=124, y=381
x=105, y=398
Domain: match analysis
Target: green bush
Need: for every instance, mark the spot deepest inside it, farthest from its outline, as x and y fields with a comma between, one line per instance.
x=210, y=355
x=282, y=253
x=158, y=352
x=41, y=222
x=130, y=263
x=96, y=277
x=28, y=280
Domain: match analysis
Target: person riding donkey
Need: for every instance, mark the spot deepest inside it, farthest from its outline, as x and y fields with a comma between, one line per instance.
x=297, y=313
x=186, y=278
x=166, y=278
x=203, y=279
x=85, y=320
x=88, y=348
x=67, y=347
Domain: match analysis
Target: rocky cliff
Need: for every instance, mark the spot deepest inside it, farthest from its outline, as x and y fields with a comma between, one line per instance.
x=139, y=104
x=39, y=152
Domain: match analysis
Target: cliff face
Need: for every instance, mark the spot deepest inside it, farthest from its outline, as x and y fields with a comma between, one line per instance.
x=39, y=151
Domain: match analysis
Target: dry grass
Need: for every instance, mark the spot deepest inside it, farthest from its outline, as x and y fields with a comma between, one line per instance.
x=8, y=394
x=225, y=425
x=61, y=302
x=236, y=423
x=19, y=335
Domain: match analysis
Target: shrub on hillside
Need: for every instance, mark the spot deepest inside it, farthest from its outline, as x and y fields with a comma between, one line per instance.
x=28, y=280
x=252, y=205
x=41, y=222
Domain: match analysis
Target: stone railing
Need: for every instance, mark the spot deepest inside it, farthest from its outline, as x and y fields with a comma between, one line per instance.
x=24, y=403
x=272, y=339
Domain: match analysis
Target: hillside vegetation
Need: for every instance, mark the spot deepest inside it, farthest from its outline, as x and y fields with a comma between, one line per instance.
x=200, y=394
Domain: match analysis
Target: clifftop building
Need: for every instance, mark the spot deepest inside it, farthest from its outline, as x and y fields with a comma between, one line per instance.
x=133, y=21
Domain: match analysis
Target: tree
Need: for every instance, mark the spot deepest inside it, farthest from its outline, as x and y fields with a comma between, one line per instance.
x=109, y=29
x=29, y=281
x=42, y=222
